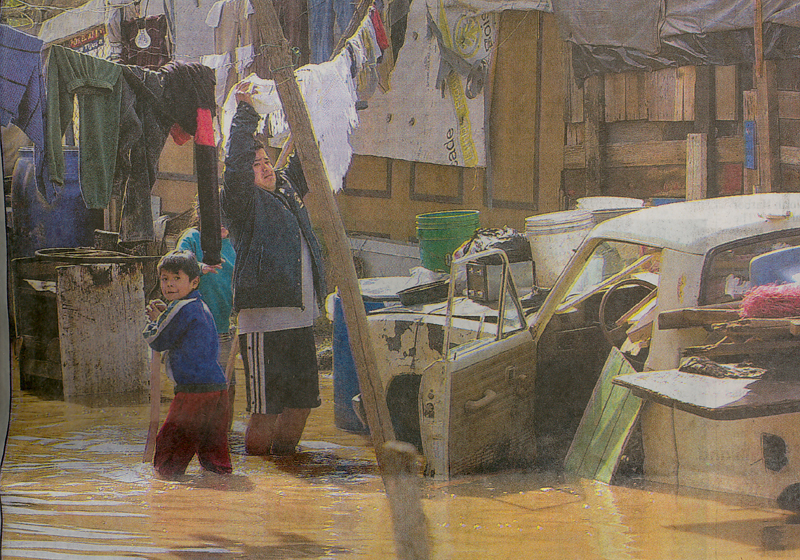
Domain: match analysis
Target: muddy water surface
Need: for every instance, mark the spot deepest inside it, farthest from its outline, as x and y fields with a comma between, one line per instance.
x=74, y=486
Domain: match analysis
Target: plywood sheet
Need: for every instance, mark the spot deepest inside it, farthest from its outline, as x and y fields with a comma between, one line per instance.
x=606, y=424
x=715, y=398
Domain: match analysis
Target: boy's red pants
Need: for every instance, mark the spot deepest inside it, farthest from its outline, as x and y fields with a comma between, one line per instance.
x=197, y=423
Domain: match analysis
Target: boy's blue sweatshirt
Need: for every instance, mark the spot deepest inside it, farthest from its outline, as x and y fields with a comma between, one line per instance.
x=185, y=330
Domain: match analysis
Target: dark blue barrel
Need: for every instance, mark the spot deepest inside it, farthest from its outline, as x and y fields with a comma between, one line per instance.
x=39, y=224
x=345, y=377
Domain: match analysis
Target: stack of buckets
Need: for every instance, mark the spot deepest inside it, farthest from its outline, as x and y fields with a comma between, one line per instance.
x=441, y=233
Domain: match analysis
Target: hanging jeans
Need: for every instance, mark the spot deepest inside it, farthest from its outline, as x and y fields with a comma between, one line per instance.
x=322, y=15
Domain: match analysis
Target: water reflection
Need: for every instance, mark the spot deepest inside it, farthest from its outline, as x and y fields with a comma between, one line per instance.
x=74, y=486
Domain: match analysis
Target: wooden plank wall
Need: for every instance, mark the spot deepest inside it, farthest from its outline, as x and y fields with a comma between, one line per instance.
x=648, y=117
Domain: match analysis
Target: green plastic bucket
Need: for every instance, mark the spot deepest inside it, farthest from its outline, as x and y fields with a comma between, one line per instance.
x=441, y=233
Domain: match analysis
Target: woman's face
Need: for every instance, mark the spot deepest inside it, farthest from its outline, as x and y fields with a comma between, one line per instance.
x=263, y=171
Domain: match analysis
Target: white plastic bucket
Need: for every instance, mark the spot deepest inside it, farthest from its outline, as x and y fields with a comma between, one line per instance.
x=554, y=237
x=606, y=207
x=607, y=202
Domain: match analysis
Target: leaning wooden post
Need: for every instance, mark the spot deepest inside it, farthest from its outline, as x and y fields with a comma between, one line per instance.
x=401, y=476
x=326, y=217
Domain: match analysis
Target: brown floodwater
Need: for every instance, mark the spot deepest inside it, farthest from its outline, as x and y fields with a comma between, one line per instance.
x=74, y=486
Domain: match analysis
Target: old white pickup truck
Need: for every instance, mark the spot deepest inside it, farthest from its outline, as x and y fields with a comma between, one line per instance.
x=514, y=383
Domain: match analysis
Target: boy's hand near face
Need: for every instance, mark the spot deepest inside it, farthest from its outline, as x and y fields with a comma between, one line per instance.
x=154, y=309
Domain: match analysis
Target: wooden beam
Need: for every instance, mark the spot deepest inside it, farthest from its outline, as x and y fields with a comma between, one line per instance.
x=326, y=217
x=705, y=123
x=766, y=112
x=404, y=491
x=652, y=153
x=697, y=166
x=594, y=102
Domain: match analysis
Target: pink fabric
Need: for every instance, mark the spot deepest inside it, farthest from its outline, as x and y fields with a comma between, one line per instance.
x=380, y=31
x=205, y=128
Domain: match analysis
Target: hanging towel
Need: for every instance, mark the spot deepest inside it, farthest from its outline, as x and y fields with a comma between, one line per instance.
x=96, y=82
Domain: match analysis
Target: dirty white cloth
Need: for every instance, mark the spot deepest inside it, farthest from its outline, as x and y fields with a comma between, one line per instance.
x=330, y=96
x=244, y=58
x=330, y=93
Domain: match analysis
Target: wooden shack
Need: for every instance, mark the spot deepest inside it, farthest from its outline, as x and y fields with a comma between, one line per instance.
x=711, y=111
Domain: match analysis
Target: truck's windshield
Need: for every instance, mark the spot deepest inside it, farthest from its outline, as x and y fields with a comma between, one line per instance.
x=610, y=262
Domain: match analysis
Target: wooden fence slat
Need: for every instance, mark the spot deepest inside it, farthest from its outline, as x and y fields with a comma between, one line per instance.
x=696, y=166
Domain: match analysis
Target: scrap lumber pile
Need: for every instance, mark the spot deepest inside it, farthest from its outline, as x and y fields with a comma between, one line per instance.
x=730, y=335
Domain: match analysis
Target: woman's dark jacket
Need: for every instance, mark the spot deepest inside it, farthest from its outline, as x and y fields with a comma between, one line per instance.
x=266, y=226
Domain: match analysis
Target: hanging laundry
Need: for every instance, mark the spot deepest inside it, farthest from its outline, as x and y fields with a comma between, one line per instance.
x=327, y=21
x=117, y=12
x=367, y=79
x=22, y=93
x=380, y=32
x=143, y=133
x=244, y=58
x=96, y=82
x=231, y=22
x=189, y=97
x=221, y=64
x=158, y=49
x=330, y=97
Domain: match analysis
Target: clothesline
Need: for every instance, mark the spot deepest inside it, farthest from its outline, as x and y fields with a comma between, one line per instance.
x=330, y=90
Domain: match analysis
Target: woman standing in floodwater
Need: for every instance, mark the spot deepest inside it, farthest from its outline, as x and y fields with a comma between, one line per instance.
x=279, y=284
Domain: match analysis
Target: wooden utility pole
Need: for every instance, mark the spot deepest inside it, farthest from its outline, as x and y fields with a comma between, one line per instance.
x=275, y=48
x=769, y=158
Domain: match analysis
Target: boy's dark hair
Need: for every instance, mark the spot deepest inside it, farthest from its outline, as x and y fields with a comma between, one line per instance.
x=180, y=261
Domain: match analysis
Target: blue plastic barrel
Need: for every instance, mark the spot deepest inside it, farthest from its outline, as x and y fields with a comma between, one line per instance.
x=345, y=377
x=63, y=222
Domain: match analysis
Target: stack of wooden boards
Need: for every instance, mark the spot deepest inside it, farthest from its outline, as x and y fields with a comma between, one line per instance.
x=730, y=335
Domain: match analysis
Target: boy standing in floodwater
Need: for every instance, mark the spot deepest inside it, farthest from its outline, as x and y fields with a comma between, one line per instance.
x=197, y=419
